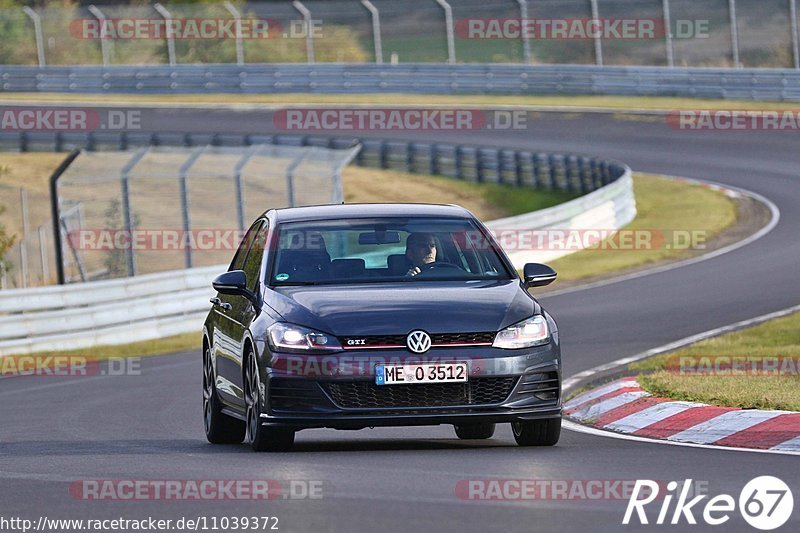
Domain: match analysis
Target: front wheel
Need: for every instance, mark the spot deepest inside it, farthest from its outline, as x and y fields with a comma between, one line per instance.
x=261, y=438
x=537, y=432
x=220, y=428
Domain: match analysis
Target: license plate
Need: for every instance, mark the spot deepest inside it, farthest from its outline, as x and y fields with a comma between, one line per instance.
x=421, y=373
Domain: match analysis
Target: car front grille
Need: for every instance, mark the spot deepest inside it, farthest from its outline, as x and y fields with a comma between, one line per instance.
x=438, y=339
x=368, y=395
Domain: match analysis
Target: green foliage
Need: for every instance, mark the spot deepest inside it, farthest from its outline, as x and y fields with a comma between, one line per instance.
x=6, y=242
x=64, y=45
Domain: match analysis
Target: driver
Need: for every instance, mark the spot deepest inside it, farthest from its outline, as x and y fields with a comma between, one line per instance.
x=420, y=251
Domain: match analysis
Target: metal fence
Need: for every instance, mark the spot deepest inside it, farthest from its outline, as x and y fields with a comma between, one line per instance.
x=546, y=171
x=712, y=33
x=159, y=208
x=746, y=84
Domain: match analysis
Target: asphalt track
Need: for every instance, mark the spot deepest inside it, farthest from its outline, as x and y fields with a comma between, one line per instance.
x=57, y=430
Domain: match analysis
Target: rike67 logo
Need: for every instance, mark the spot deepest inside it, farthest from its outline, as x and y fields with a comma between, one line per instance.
x=765, y=503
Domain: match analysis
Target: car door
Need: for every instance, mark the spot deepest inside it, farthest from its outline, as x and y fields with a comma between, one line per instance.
x=243, y=310
x=228, y=332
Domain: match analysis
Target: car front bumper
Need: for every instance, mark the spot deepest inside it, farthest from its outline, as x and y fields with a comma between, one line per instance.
x=301, y=391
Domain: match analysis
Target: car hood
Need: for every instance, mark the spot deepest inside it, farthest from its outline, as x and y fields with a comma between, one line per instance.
x=397, y=308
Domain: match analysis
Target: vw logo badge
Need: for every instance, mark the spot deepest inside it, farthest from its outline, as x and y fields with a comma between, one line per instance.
x=418, y=341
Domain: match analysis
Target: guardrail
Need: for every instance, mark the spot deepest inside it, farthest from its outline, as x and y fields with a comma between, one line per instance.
x=745, y=84
x=87, y=314
x=566, y=172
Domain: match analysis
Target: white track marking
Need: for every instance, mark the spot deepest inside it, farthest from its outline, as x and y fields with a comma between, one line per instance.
x=776, y=216
x=791, y=445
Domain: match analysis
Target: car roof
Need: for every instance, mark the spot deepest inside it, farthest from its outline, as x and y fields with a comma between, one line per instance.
x=339, y=211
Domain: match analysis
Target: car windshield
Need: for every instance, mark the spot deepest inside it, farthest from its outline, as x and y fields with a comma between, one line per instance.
x=384, y=250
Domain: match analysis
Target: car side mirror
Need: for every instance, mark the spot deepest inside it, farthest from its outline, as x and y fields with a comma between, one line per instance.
x=538, y=275
x=233, y=282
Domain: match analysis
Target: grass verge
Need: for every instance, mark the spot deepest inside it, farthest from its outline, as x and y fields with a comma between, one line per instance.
x=610, y=102
x=667, y=209
x=722, y=384
x=175, y=344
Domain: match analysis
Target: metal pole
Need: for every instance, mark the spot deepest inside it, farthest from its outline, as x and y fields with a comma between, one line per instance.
x=104, y=44
x=668, y=33
x=337, y=196
x=238, y=170
x=526, y=39
x=21, y=280
x=127, y=217
x=43, y=256
x=239, y=47
x=795, y=39
x=290, y=176
x=37, y=28
x=183, y=177
x=376, y=30
x=56, y=216
x=168, y=31
x=309, y=33
x=23, y=243
x=734, y=33
x=448, y=21
x=598, y=42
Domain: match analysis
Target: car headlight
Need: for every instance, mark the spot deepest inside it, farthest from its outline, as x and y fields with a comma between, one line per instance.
x=293, y=338
x=530, y=332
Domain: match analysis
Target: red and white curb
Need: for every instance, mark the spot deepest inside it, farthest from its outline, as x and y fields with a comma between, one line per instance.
x=624, y=407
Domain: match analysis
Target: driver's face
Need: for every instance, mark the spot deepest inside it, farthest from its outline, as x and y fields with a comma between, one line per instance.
x=422, y=252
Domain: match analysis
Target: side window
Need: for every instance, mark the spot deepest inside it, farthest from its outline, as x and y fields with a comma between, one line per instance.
x=252, y=265
x=241, y=253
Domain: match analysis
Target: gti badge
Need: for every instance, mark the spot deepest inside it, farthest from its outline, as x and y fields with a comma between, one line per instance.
x=355, y=342
x=418, y=341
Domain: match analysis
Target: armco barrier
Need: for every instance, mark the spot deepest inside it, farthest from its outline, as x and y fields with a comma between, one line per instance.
x=566, y=172
x=156, y=305
x=743, y=84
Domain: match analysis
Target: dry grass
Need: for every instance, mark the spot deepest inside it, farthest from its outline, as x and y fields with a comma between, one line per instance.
x=663, y=206
x=485, y=200
x=610, y=102
x=779, y=390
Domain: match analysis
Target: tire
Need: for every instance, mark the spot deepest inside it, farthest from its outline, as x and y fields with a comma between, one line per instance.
x=475, y=431
x=537, y=432
x=220, y=428
x=261, y=438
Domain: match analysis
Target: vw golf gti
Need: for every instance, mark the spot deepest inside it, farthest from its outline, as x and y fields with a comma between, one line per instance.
x=355, y=316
